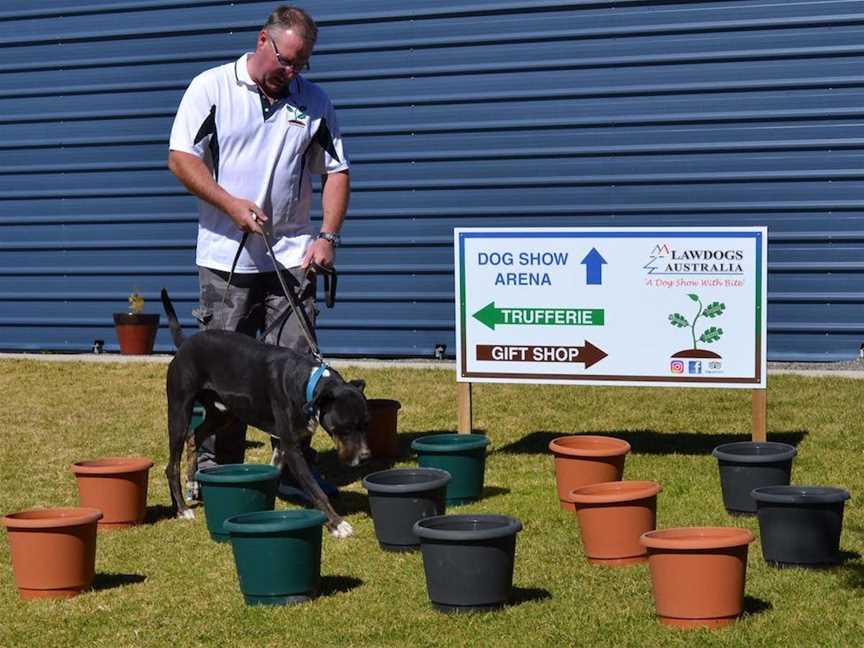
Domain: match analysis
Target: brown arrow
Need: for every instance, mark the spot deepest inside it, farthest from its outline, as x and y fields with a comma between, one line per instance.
x=590, y=354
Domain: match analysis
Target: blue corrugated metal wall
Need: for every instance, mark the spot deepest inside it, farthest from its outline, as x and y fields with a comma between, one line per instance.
x=477, y=113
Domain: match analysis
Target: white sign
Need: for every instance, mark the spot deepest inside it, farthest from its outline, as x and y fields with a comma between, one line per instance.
x=612, y=306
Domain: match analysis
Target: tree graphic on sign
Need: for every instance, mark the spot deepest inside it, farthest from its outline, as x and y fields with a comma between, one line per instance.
x=709, y=335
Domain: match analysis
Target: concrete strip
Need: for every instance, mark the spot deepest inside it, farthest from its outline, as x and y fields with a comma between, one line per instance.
x=449, y=365
x=165, y=358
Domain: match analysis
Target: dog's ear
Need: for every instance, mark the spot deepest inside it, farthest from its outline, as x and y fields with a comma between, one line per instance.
x=359, y=384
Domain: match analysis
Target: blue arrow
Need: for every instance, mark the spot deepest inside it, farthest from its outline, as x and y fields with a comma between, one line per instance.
x=594, y=262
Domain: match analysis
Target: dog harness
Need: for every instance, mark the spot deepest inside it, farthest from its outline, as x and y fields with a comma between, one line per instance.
x=309, y=407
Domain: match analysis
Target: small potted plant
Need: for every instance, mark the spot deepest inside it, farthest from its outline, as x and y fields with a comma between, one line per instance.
x=136, y=330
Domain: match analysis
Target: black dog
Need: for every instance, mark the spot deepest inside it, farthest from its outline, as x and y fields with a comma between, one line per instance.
x=235, y=376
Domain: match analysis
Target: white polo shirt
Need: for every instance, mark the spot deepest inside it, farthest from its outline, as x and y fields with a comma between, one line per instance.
x=266, y=154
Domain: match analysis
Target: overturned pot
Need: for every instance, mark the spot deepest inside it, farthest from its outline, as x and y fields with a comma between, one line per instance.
x=746, y=465
x=585, y=459
x=117, y=486
x=400, y=497
x=800, y=525
x=612, y=518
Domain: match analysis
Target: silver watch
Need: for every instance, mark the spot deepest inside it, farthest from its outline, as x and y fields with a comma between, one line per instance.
x=332, y=237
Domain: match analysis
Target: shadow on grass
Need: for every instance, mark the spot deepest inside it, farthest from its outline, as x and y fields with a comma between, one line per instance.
x=651, y=442
x=753, y=605
x=350, y=502
x=851, y=569
x=157, y=513
x=494, y=491
x=104, y=581
x=519, y=595
x=333, y=584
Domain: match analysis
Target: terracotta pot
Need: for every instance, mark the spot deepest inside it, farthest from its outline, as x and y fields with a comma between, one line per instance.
x=53, y=551
x=612, y=517
x=698, y=574
x=136, y=332
x=382, y=437
x=117, y=486
x=586, y=459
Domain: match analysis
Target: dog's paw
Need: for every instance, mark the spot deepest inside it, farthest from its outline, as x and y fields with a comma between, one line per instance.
x=342, y=530
x=188, y=514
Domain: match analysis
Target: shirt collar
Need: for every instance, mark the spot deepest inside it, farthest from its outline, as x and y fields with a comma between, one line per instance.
x=241, y=72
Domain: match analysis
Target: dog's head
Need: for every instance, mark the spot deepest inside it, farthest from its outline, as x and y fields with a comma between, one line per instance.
x=343, y=413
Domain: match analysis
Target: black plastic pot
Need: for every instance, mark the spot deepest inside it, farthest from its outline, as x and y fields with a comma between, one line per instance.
x=800, y=525
x=400, y=497
x=751, y=464
x=468, y=560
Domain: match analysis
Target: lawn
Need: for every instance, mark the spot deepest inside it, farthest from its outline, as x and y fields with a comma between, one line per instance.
x=166, y=583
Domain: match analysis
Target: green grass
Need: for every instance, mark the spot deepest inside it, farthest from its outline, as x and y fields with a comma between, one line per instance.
x=167, y=584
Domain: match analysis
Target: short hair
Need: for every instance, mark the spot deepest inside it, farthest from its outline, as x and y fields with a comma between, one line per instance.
x=290, y=17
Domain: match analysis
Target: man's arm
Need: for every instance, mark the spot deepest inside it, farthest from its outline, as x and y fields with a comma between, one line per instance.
x=335, y=192
x=196, y=177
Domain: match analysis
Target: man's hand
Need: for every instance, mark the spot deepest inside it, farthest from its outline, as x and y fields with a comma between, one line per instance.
x=196, y=177
x=247, y=216
x=320, y=253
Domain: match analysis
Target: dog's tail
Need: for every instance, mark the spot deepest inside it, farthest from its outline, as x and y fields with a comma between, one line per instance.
x=173, y=322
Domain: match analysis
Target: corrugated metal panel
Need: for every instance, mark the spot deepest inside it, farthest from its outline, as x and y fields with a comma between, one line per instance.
x=483, y=113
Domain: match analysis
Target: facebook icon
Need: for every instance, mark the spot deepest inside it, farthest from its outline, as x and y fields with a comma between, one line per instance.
x=694, y=367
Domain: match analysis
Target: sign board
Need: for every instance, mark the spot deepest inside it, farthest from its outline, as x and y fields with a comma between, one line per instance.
x=612, y=306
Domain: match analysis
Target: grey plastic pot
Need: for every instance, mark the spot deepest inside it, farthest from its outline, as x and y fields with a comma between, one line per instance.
x=400, y=497
x=468, y=560
x=800, y=525
x=747, y=465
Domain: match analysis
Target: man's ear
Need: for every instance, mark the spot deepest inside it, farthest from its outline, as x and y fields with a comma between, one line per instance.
x=359, y=384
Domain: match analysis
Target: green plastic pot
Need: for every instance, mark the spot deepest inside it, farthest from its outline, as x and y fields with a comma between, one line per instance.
x=234, y=489
x=461, y=455
x=277, y=555
x=197, y=419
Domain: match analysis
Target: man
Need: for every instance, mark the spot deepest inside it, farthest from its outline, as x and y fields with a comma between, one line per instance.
x=247, y=137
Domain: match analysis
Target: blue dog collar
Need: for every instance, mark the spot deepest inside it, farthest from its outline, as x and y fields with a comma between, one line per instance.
x=309, y=407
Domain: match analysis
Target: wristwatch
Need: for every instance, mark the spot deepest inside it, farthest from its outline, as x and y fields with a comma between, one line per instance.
x=332, y=237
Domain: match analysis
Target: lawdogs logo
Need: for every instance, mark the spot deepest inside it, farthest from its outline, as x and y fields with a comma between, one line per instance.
x=665, y=259
x=298, y=115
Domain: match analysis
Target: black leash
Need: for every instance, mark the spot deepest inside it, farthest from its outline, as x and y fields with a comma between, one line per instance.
x=305, y=326
x=330, y=279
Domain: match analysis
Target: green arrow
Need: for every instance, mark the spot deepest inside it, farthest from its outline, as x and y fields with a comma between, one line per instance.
x=489, y=315
x=492, y=316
